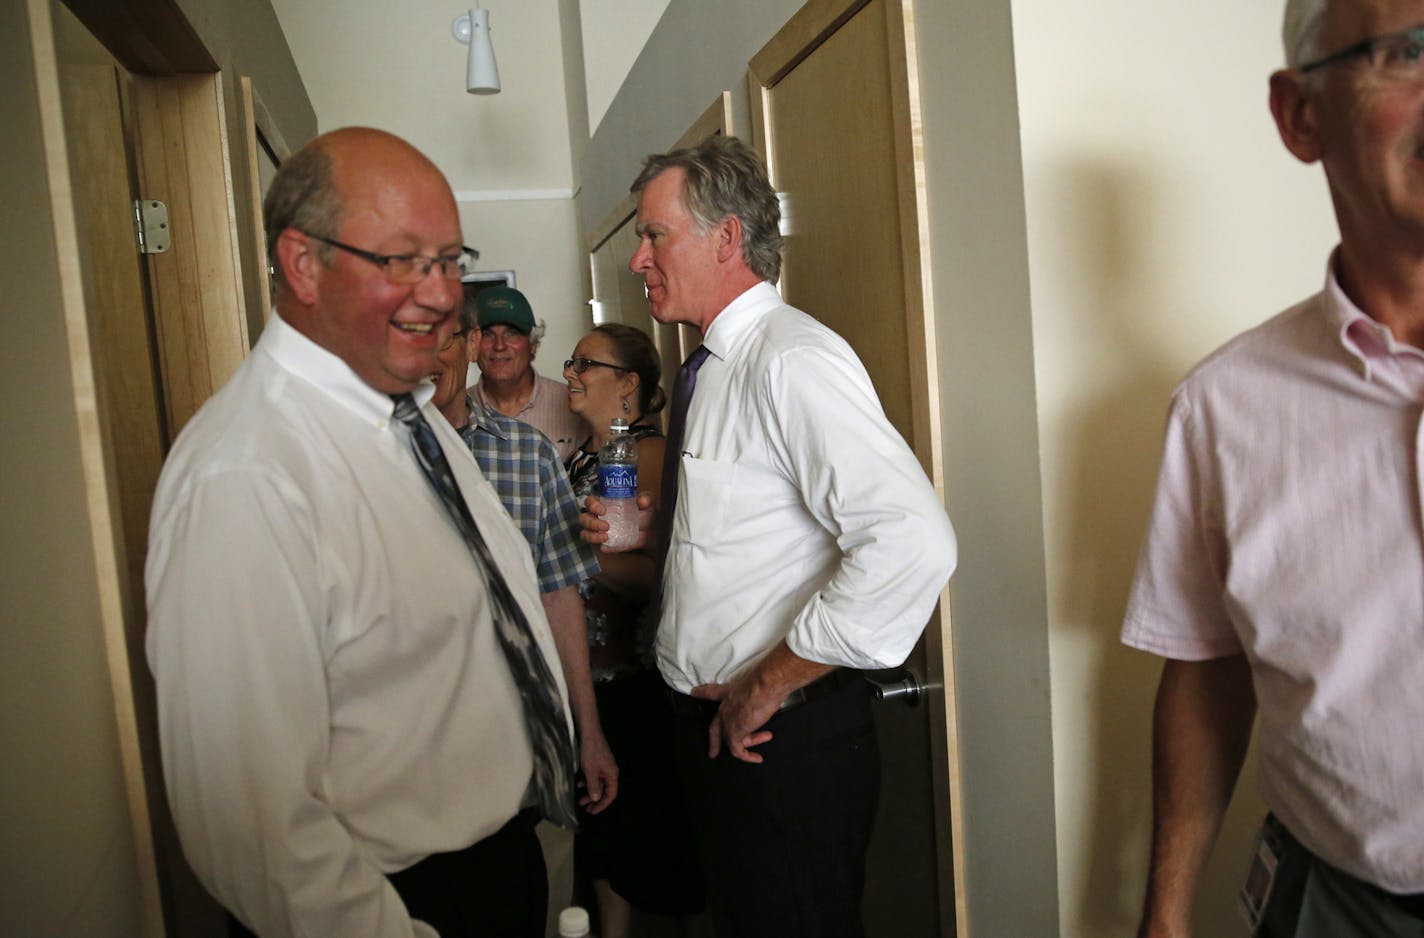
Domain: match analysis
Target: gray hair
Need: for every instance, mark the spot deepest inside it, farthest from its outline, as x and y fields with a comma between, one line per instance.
x=725, y=178
x=1300, y=33
x=303, y=195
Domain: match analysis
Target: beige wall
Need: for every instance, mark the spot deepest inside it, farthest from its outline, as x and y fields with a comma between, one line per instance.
x=614, y=32
x=533, y=238
x=397, y=66
x=983, y=317
x=67, y=864
x=1163, y=216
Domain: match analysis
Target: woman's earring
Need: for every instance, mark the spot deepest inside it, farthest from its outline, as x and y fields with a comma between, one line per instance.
x=626, y=408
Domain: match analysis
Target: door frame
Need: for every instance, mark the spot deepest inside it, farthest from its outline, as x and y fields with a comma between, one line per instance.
x=807, y=29
x=200, y=326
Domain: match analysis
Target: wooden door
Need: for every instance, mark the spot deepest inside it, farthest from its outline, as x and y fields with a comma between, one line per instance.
x=136, y=414
x=831, y=99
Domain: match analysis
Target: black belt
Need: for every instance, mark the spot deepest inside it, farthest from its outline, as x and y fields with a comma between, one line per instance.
x=1411, y=904
x=821, y=687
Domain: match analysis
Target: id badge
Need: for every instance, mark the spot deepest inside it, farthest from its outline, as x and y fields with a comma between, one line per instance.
x=1256, y=891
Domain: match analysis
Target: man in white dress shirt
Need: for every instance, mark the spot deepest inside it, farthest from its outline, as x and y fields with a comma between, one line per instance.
x=342, y=736
x=806, y=544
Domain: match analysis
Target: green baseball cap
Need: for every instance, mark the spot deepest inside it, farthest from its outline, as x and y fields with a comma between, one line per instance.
x=504, y=306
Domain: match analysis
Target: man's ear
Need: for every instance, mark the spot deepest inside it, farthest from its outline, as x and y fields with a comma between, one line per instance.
x=472, y=345
x=729, y=238
x=1293, y=105
x=301, y=266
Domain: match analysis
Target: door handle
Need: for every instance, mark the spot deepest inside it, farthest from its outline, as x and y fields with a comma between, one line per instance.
x=903, y=685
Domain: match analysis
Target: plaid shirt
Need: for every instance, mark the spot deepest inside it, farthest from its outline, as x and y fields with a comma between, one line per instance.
x=524, y=469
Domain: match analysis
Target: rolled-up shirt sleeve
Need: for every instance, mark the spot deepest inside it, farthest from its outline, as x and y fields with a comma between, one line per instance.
x=862, y=483
x=235, y=642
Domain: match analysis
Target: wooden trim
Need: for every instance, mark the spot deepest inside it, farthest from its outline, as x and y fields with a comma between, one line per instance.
x=802, y=34
x=614, y=220
x=108, y=549
x=919, y=285
x=197, y=286
x=148, y=37
x=717, y=119
x=262, y=119
x=250, y=127
x=811, y=26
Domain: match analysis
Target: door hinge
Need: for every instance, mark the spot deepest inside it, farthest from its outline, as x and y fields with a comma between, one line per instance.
x=151, y=226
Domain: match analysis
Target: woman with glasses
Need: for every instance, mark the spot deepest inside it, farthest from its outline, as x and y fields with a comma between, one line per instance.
x=638, y=852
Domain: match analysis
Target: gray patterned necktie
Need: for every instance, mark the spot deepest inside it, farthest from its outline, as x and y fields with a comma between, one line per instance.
x=543, y=711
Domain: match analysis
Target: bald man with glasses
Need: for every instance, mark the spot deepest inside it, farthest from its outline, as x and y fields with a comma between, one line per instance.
x=361, y=710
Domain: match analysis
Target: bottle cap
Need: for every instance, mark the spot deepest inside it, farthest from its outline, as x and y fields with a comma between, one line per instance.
x=573, y=922
x=619, y=425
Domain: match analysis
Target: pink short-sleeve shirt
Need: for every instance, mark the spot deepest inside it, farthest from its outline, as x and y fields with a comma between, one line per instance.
x=1287, y=524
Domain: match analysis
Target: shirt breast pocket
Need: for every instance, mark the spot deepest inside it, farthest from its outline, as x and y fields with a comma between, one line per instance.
x=704, y=499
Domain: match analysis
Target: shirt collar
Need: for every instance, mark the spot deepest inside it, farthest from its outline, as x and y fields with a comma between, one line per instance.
x=299, y=355
x=528, y=405
x=483, y=418
x=1366, y=340
x=738, y=316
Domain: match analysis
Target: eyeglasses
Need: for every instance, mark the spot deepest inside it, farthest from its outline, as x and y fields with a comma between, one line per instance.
x=580, y=365
x=410, y=268
x=1395, y=56
x=451, y=339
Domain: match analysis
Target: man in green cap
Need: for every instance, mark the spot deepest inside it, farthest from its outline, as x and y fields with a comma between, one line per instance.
x=508, y=341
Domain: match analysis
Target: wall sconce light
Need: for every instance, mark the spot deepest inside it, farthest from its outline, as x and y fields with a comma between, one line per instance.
x=481, y=72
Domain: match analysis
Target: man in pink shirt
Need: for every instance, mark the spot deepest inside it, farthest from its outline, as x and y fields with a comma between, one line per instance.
x=1283, y=572
x=507, y=341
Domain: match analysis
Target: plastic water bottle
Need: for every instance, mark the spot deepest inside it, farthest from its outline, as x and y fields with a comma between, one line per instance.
x=573, y=923
x=618, y=484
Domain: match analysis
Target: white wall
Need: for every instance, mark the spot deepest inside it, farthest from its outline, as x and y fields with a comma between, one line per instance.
x=534, y=240
x=397, y=67
x=614, y=32
x=1163, y=216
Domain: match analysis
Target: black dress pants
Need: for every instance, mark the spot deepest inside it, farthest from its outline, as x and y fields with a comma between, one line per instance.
x=498, y=886
x=783, y=842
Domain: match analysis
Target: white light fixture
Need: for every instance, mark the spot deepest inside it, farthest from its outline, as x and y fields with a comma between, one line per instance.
x=481, y=73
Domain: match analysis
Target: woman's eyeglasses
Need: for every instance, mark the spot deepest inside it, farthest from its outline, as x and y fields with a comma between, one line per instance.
x=580, y=365
x=451, y=339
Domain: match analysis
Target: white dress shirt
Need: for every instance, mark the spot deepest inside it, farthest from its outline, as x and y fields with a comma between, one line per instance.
x=1288, y=526
x=801, y=513
x=333, y=701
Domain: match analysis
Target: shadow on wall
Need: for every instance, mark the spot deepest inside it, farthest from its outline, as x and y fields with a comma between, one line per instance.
x=1110, y=441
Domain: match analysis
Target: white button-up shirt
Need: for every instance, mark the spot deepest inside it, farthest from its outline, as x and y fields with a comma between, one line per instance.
x=1288, y=525
x=801, y=513
x=333, y=701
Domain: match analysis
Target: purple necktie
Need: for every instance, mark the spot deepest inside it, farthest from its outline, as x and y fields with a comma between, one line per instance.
x=672, y=455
